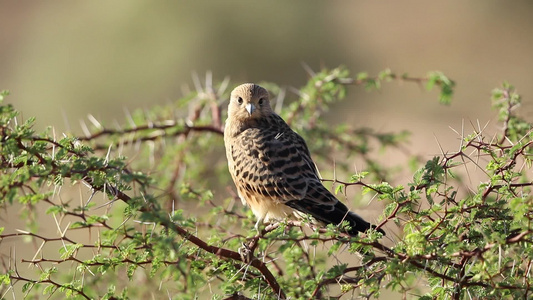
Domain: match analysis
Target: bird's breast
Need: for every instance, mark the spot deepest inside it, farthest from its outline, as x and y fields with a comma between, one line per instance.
x=265, y=208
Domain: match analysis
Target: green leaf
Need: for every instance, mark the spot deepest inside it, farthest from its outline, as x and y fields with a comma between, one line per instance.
x=68, y=250
x=338, y=189
x=5, y=279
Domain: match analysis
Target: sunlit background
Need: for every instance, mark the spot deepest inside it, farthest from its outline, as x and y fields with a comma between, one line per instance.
x=63, y=60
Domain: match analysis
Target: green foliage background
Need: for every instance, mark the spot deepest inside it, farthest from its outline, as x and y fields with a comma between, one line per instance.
x=147, y=209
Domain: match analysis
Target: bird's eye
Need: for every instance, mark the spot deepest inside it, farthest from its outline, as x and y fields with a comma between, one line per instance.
x=239, y=100
x=260, y=101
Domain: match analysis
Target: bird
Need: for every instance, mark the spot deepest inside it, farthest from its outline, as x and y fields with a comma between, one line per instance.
x=272, y=168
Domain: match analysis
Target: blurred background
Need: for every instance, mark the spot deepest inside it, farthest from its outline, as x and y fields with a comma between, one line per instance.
x=64, y=60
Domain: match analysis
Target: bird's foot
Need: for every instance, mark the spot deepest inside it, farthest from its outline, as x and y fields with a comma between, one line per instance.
x=258, y=226
x=246, y=253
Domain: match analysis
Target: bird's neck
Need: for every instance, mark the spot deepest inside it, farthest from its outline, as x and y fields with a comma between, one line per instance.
x=235, y=127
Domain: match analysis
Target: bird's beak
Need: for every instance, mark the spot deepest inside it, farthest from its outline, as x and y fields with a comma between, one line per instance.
x=250, y=108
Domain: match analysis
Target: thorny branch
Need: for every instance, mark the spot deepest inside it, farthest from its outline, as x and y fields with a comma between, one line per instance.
x=448, y=267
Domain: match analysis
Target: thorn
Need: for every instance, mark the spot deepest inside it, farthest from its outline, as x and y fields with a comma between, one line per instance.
x=223, y=86
x=308, y=69
x=279, y=100
x=129, y=118
x=440, y=146
x=91, y=197
x=196, y=82
x=53, y=145
x=209, y=81
x=85, y=129
x=39, y=250
x=95, y=122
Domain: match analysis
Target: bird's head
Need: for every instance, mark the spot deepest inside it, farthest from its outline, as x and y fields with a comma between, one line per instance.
x=248, y=102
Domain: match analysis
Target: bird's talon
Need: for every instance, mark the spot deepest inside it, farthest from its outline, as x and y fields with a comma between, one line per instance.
x=245, y=252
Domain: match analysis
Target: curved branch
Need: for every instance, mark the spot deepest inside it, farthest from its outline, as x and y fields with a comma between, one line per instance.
x=223, y=252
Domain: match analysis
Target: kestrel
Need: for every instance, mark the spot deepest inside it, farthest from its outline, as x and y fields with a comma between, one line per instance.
x=272, y=168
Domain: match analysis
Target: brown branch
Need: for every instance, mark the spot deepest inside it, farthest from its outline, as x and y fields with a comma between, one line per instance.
x=223, y=252
x=258, y=264
x=50, y=281
x=353, y=81
x=186, y=130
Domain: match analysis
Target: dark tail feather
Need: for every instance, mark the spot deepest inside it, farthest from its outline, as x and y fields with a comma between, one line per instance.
x=333, y=215
x=358, y=224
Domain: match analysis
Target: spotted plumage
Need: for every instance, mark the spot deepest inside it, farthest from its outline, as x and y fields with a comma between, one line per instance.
x=271, y=165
